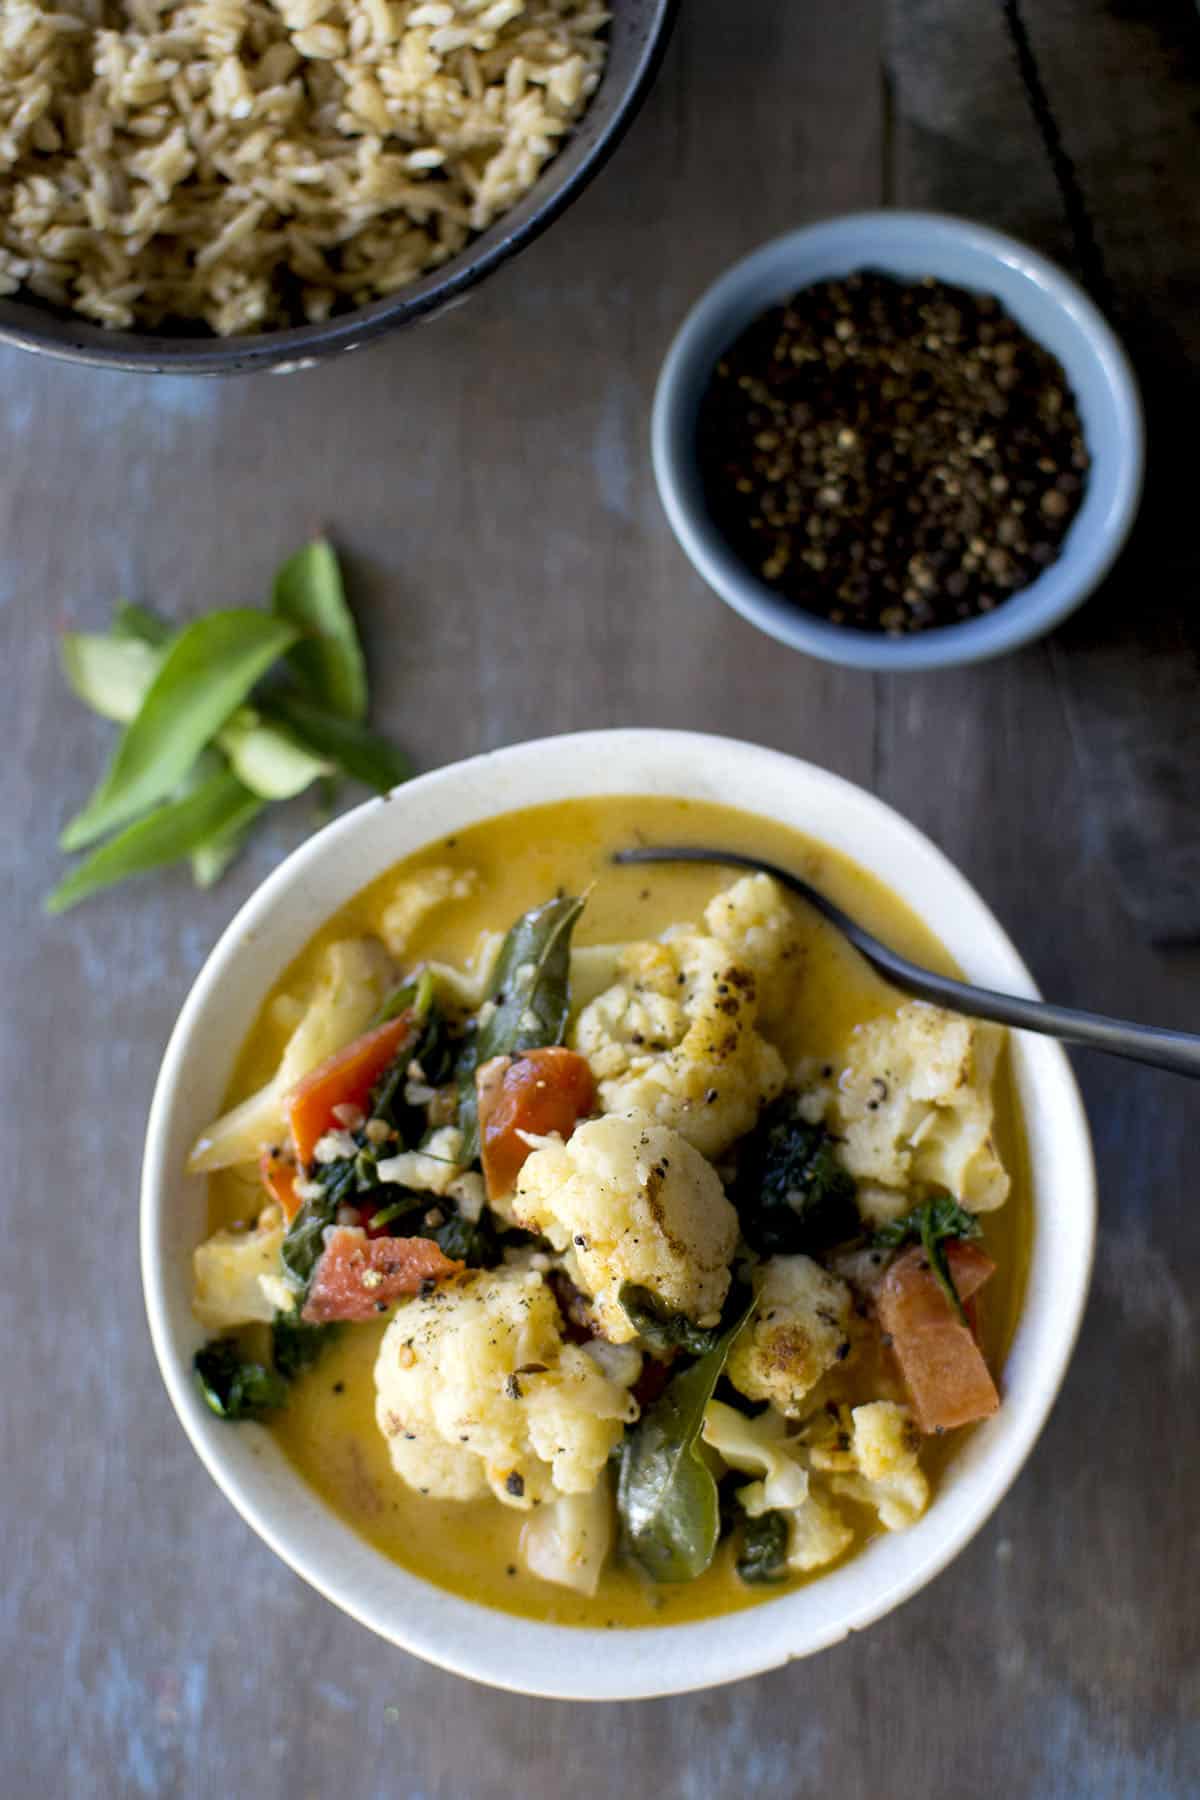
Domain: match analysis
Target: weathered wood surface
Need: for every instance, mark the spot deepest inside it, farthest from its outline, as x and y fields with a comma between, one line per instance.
x=489, y=476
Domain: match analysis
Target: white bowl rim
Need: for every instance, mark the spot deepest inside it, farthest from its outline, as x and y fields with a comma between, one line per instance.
x=1026, y=615
x=501, y=1649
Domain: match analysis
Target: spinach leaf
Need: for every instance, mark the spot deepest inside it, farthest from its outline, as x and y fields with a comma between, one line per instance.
x=763, y=1555
x=218, y=806
x=475, y=1242
x=328, y=660
x=528, y=999
x=666, y=1494
x=791, y=1193
x=206, y=674
x=352, y=747
x=434, y=1048
x=405, y=1203
x=933, y=1224
x=304, y=1239
x=235, y=1389
x=296, y=1346
x=660, y=1329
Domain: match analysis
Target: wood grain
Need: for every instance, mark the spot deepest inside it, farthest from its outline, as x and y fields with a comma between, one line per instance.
x=488, y=476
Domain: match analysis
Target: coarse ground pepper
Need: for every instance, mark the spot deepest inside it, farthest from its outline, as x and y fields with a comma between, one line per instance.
x=891, y=455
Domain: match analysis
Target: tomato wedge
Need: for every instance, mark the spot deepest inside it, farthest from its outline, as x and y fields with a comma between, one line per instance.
x=539, y=1091
x=947, y=1379
x=344, y=1079
x=358, y=1277
x=279, y=1172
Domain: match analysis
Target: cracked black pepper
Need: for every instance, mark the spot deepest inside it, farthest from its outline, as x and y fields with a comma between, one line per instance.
x=891, y=455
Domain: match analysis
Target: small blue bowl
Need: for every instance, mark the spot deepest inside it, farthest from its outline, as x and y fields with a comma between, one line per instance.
x=909, y=244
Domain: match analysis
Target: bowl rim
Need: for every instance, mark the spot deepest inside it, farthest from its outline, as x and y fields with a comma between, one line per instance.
x=295, y=347
x=1025, y=615
x=505, y=1650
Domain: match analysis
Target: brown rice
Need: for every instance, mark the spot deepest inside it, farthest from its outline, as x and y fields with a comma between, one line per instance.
x=252, y=162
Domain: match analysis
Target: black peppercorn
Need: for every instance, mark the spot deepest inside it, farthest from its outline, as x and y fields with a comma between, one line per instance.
x=891, y=455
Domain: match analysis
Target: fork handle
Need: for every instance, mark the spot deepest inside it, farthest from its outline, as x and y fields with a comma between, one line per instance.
x=1178, y=1051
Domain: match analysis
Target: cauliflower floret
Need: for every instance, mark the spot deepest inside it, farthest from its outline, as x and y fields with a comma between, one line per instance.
x=881, y=1467
x=236, y=1275
x=879, y=1206
x=567, y=1541
x=759, y=1447
x=476, y=1390
x=632, y=1201
x=914, y=1104
x=757, y=926
x=416, y=896
x=676, y=1038
x=433, y=1168
x=799, y=1328
x=816, y=1532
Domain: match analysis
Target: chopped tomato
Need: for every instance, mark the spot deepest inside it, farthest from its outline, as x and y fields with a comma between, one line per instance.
x=539, y=1091
x=278, y=1172
x=358, y=1277
x=943, y=1368
x=344, y=1079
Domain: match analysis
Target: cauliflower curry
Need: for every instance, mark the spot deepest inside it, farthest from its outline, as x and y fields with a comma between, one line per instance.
x=610, y=1244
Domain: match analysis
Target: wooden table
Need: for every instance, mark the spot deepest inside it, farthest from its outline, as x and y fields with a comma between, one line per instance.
x=489, y=478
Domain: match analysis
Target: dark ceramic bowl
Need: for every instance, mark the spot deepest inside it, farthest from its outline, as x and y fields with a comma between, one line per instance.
x=637, y=38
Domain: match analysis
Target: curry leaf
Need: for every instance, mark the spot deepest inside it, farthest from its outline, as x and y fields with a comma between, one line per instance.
x=660, y=1329
x=205, y=676
x=220, y=804
x=328, y=660
x=354, y=749
x=133, y=621
x=529, y=1000
x=211, y=858
x=933, y=1224
x=666, y=1495
x=269, y=760
x=763, y=1555
x=112, y=675
x=415, y=995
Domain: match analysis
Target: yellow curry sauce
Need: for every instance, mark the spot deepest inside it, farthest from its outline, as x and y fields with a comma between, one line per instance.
x=328, y=1430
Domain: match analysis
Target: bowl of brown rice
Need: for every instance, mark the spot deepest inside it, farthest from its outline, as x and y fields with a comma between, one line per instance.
x=207, y=186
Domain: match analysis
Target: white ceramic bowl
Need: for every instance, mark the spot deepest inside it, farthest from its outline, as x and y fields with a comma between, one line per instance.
x=1052, y=309
x=272, y=928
